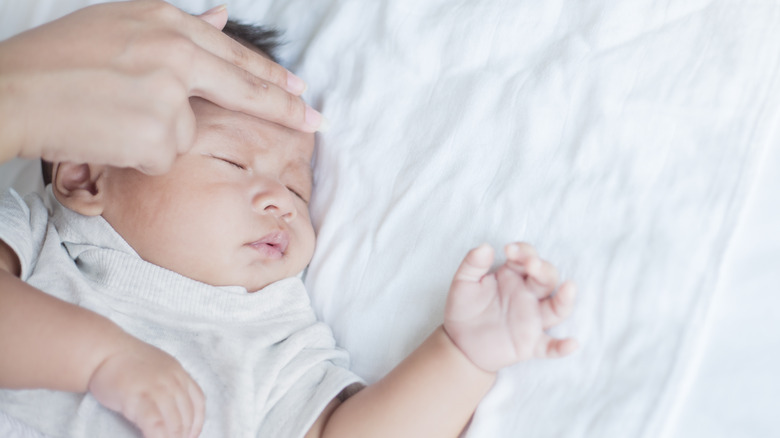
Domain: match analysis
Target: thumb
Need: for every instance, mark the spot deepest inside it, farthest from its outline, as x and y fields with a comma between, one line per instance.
x=216, y=16
x=476, y=264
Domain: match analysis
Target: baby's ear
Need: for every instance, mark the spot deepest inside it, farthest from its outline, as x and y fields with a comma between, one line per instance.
x=79, y=187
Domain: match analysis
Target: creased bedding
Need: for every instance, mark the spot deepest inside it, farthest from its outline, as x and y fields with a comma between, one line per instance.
x=620, y=138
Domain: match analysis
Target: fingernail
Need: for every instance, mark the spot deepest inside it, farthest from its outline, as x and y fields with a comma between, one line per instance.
x=295, y=84
x=215, y=10
x=324, y=125
x=315, y=120
x=512, y=250
x=484, y=249
x=533, y=267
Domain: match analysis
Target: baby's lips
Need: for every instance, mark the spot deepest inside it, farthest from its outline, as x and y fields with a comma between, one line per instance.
x=279, y=240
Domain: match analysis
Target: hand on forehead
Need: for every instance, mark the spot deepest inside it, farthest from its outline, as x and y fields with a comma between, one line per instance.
x=247, y=139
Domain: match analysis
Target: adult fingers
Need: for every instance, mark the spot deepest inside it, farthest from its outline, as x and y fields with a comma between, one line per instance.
x=215, y=81
x=216, y=17
x=204, y=35
x=222, y=70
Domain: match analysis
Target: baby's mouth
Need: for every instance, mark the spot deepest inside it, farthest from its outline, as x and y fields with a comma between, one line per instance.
x=272, y=245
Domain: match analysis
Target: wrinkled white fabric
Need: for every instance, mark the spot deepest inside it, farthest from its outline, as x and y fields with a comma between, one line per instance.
x=619, y=137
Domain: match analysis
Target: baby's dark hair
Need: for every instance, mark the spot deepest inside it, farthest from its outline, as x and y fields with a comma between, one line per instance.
x=263, y=39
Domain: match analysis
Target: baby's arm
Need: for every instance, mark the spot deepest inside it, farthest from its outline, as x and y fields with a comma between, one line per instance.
x=48, y=343
x=492, y=320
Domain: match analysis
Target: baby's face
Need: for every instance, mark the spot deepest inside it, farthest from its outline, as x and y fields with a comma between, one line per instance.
x=232, y=211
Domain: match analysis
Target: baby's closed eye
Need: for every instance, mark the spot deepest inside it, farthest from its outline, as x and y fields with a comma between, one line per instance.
x=238, y=165
x=297, y=193
x=232, y=162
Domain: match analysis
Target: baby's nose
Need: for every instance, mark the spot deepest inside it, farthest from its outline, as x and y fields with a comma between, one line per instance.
x=274, y=198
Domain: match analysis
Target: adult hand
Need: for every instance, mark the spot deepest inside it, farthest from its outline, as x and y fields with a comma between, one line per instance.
x=110, y=84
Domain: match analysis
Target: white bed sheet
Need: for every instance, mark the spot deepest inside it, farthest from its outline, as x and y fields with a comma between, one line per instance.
x=624, y=139
x=735, y=389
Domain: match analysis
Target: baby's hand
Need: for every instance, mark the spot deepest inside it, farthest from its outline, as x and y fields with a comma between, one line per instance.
x=152, y=390
x=499, y=318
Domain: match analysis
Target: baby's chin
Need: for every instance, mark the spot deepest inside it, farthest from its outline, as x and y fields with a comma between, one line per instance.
x=257, y=285
x=252, y=278
x=257, y=288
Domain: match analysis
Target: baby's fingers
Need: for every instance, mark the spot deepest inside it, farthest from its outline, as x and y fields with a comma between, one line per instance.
x=190, y=406
x=476, y=264
x=520, y=254
x=540, y=275
x=148, y=417
x=186, y=411
x=174, y=418
x=551, y=348
x=179, y=415
x=558, y=307
x=199, y=409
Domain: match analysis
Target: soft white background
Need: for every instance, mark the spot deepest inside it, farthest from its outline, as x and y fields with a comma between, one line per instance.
x=634, y=143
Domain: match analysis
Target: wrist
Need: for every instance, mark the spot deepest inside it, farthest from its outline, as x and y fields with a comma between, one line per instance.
x=448, y=343
x=110, y=343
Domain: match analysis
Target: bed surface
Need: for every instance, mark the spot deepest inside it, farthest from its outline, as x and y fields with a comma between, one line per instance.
x=634, y=143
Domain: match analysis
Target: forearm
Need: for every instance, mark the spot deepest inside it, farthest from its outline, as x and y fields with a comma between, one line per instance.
x=432, y=393
x=48, y=343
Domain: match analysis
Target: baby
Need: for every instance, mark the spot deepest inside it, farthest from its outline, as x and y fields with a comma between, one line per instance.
x=201, y=264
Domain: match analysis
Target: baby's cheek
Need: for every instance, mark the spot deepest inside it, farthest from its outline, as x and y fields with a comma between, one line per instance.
x=308, y=244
